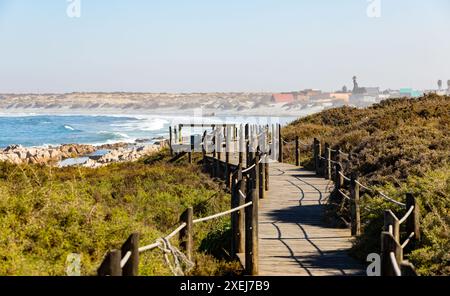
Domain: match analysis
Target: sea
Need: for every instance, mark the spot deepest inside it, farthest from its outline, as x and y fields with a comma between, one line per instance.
x=37, y=130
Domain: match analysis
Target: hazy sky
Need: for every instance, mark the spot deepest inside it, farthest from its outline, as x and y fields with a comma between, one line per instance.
x=227, y=45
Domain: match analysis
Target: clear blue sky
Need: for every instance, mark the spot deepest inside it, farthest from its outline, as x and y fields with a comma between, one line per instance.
x=227, y=45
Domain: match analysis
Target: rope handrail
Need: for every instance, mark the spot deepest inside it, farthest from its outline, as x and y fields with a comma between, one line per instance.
x=390, y=199
x=344, y=195
x=382, y=194
x=345, y=154
x=222, y=213
x=148, y=247
x=154, y=245
x=363, y=186
x=406, y=215
x=332, y=150
x=394, y=264
x=249, y=168
x=405, y=243
x=125, y=259
x=292, y=141
x=343, y=176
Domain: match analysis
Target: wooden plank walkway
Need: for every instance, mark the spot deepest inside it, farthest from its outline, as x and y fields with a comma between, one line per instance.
x=293, y=238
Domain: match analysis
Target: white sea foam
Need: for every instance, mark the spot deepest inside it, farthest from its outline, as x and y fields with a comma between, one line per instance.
x=147, y=124
x=69, y=127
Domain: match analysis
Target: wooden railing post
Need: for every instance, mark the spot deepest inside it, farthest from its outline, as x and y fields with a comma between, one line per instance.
x=218, y=173
x=413, y=221
x=338, y=181
x=388, y=245
x=266, y=173
x=238, y=218
x=186, y=237
x=191, y=151
x=355, y=205
x=175, y=135
x=327, y=173
x=316, y=155
x=204, y=149
x=241, y=145
x=257, y=172
x=297, y=151
x=251, y=231
x=280, y=144
x=247, y=153
x=170, y=141
x=241, y=215
x=262, y=178
x=228, y=135
x=235, y=184
x=131, y=268
x=391, y=220
x=111, y=264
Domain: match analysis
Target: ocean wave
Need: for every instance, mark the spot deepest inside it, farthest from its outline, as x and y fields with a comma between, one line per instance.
x=114, y=135
x=68, y=127
x=152, y=124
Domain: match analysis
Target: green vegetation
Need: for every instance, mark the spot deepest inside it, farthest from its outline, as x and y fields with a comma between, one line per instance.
x=47, y=213
x=398, y=146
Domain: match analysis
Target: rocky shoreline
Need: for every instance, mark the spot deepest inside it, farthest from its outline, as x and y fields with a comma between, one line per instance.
x=54, y=155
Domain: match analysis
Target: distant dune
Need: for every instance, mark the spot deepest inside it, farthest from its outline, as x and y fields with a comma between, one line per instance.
x=163, y=103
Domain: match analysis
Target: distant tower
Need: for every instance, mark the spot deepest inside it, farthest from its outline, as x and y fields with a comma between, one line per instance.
x=440, y=84
x=344, y=88
x=355, y=85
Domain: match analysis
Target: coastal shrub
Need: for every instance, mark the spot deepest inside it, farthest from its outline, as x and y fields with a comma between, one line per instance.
x=47, y=213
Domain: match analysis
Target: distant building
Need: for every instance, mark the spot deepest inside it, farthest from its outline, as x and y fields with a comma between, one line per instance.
x=345, y=97
x=364, y=96
x=310, y=92
x=410, y=93
x=283, y=98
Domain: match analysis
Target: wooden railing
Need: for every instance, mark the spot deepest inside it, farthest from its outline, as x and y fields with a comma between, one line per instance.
x=347, y=191
x=247, y=184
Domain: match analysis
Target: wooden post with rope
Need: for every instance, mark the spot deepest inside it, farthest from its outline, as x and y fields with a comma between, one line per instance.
x=297, y=151
x=338, y=181
x=204, y=149
x=262, y=178
x=251, y=230
x=191, y=150
x=170, y=141
x=355, y=205
x=228, y=135
x=316, y=154
x=327, y=170
x=186, y=234
x=131, y=268
x=391, y=220
x=241, y=215
x=237, y=218
x=111, y=264
x=389, y=244
x=280, y=144
x=413, y=221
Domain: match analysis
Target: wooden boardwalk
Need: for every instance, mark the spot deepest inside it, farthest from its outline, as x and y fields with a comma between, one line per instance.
x=293, y=237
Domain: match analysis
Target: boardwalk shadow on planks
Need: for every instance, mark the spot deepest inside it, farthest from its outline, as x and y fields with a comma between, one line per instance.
x=328, y=262
x=305, y=214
